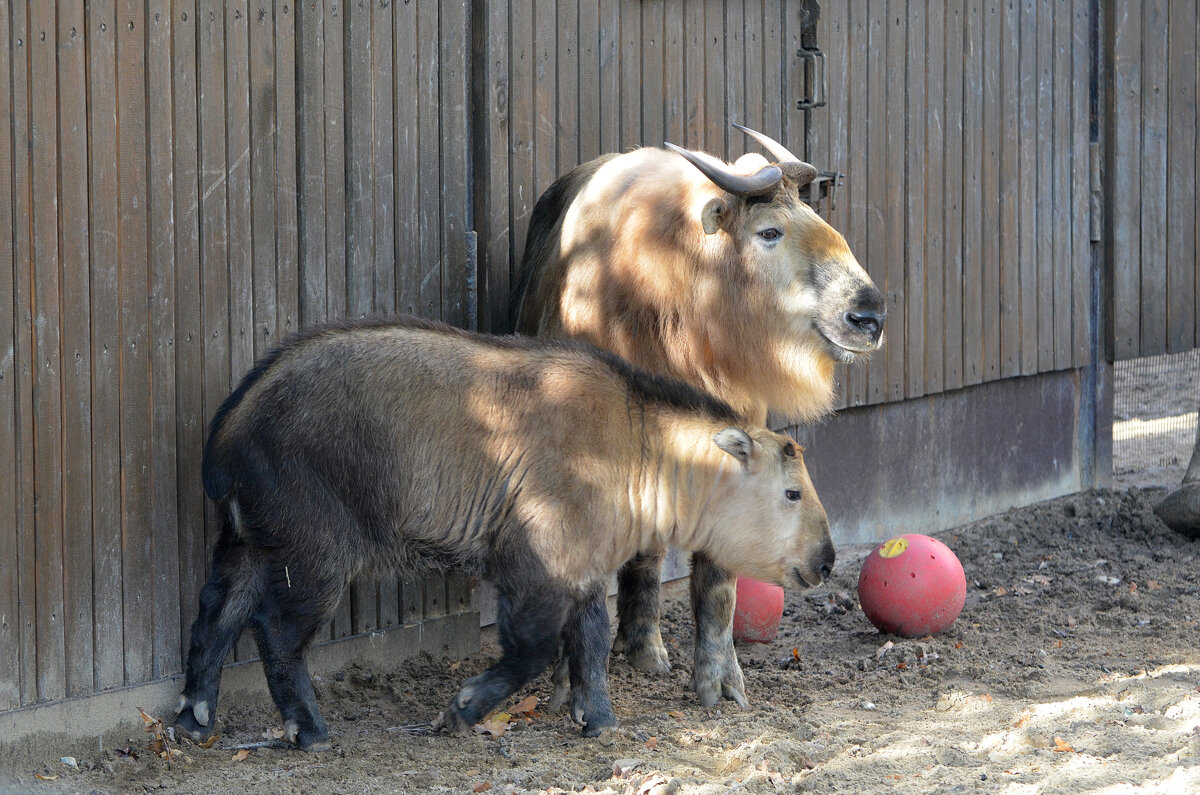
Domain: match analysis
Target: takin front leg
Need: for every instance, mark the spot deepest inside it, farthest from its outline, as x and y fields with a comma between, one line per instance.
x=716, y=672
x=530, y=626
x=226, y=603
x=639, y=603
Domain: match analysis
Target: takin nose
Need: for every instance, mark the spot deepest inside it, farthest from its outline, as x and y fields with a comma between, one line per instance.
x=865, y=322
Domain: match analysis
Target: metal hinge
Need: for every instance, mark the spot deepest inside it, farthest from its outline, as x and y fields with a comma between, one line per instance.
x=812, y=69
x=1095, y=205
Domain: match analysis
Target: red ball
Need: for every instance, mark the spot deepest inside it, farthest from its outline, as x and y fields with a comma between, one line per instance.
x=757, y=612
x=912, y=586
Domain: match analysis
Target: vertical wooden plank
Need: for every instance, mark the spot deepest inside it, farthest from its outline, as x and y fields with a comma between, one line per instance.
x=775, y=61
x=10, y=619
x=713, y=126
x=287, y=256
x=610, y=65
x=990, y=191
x=917, y=155
x=1027, y=185
x=936, y=86
x=429, y=161
x=892, y=210
x=46, y=365
x=453, y=55
x=752, y=103
x=108, y=595
x=973, y=197
x=189, y=334
x=164, y=508
x=545, y=112
x=590, y=107
x=335, y=175
x=260, y=76
x=859, y=181
x=652, y=50
x=1009, y=339
x=521, y=191
x=23, y=211
x=1045, y=197
x=382, y=159
x=734, y=70
x=76, y=352
x=953, y=195
x=674, y=90
x=1196, y=203
x=879, y=186
x=360, y=190
x=492, y=163
x=1081, y=277
x=694, y=77
x=830, y=144
x=310, y=129
x=407, y=159
x=1153, y=251
x=1061, y=178
x=565, y=87
x=1182, y=210
x=137, y=552
x=238, y=179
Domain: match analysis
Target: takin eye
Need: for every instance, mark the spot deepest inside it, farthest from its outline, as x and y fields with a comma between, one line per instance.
x=792, y=494
x=770, y=233
x=789, y=450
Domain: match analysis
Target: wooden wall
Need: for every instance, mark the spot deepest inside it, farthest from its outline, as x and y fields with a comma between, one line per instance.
x=185, y=183
x=1153, y=170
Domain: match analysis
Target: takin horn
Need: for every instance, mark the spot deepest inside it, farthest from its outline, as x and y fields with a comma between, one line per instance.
x=764, y=181
x=796, y=169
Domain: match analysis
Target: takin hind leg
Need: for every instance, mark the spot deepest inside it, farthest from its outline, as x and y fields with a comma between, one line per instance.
x=226, y=603
x=716, y=673
x=296, y=602
x=639, y=603
x=530, y=626
x=586, y=650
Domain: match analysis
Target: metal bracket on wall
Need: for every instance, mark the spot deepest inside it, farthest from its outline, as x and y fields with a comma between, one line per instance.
x=821, y=193
x=812, y=60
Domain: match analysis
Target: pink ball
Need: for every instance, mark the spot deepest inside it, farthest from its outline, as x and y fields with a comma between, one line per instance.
x=759, y=608
x=912, y=586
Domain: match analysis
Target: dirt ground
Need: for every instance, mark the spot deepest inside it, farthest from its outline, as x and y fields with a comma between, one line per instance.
x=1074, y=667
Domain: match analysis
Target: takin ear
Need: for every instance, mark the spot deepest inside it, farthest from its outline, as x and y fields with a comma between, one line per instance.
x=715, y=215
x=736, y=442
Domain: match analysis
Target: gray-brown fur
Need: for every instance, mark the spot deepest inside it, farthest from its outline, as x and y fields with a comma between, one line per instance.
x=408, y=445
x=658, y=257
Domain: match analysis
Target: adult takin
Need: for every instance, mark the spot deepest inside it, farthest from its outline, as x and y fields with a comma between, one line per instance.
x=542, y=466
x=714, y=273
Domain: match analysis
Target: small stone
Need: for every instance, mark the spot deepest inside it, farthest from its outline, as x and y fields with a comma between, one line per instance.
x=69, y=761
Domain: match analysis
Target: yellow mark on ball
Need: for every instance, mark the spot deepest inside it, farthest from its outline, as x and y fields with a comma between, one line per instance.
x=893, y=547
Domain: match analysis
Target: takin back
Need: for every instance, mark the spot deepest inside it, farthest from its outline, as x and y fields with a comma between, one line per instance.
x=542, y=466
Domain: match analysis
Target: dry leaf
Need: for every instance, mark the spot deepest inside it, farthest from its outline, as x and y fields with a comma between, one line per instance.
x=1132, y=586
x=882, y=650
x=482, y=786
x=1001, y=590
x=147, y=721
x=496, y=724
x=676, y=714
x=1152, y=585
x=1022, y=719
x=528, y=704
x=651, y=743
x=212, y=739
x=1061, y=745
x=240, y=755
x=795, y=654
x=901, y=666
x=40, y=777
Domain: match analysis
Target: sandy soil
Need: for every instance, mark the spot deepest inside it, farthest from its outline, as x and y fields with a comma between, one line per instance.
x=1073, y=668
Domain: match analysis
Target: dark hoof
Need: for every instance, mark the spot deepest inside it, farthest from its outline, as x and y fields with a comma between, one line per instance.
x=594, y=719
x=190, y=725
x=312, y=738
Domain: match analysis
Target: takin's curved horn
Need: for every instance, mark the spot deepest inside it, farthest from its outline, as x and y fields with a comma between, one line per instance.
x=796, y=169
x=763, y=181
